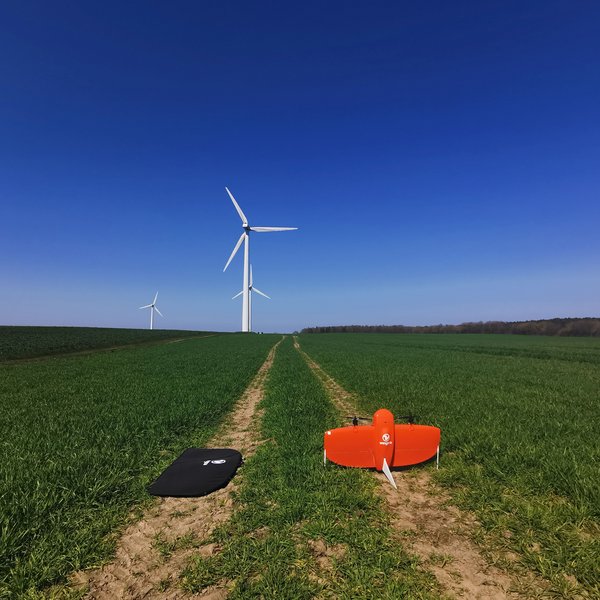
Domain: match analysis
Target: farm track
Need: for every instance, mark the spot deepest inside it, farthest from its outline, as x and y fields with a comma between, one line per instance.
x=437, y=532
x=141, y=344
x=153, y=551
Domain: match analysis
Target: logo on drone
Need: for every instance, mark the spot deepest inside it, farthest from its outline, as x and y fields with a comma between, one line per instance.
x=385, y=439
x=219, y=461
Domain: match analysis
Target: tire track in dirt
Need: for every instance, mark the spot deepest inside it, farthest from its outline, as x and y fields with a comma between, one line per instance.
x=437, y=532
x=152, y=552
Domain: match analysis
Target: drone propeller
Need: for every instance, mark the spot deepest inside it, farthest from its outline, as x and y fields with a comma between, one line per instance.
x=410, y=418
x=356, y=419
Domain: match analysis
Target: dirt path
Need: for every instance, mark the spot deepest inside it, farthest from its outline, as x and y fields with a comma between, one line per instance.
x=153, y=551
x=437, y=532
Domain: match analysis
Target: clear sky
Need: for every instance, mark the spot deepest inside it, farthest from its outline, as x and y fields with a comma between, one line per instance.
x=441, y=160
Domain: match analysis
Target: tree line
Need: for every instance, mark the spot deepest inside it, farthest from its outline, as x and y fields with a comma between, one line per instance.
x=587, y=326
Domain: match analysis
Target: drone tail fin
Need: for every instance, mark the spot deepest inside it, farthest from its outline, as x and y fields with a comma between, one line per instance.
x=388, y=474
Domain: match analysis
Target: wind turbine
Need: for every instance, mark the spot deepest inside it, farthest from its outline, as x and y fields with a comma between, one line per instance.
x=251, y=290
x=152, y=308
x=245, y=237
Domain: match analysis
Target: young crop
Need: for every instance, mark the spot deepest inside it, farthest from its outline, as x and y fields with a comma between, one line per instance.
x=82, y=436
x=519, y=420
x=27, y=342
x=303, y=530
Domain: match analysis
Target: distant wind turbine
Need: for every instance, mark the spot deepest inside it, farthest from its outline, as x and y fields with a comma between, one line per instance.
x=245, y=237
x=251, y=290
x=152, y=308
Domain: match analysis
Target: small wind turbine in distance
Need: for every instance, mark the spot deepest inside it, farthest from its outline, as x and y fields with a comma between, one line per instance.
x=251, y=290
x=152, y=308
x=245, y=237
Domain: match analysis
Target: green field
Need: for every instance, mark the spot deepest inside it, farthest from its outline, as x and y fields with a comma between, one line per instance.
x=82, y=436
x=520, y=420
x=27, y=342
x=290, y=504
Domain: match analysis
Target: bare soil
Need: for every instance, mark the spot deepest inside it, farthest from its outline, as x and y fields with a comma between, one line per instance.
x=438, y=533
x=153, y=551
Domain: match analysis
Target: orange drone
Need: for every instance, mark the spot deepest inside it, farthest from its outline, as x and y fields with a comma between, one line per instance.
x=382, y=444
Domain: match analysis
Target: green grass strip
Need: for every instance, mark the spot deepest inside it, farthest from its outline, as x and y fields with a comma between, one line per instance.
x=303, y=530
x=81, y=437
x=29, y=342
x=520, y=421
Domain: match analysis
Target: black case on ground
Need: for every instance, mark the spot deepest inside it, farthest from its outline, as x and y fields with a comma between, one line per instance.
x=197, y=472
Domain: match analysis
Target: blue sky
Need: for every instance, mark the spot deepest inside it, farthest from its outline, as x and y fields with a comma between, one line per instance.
x=440, y=159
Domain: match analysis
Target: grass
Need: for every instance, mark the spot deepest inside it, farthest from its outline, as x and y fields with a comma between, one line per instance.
x=82, y=436
x=29, y=342
x=520, y=421
x=302, y=530
x=166, y=548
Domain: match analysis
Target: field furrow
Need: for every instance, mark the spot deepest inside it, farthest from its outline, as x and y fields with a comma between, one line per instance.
x=436, y=531
x=519, y=437
x=82, y=436
x=302, y=530
x=512, y=512
x=152, y=551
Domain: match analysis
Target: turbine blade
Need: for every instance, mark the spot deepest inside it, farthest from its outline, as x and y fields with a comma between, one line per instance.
x=388, y=474
x=259, y=292
x=237, y=207
x=238, y=294
x=266, y=229
x=158, y=311
x=155, y=297
x=250, y=276
x=147, y=306
x=237, y=247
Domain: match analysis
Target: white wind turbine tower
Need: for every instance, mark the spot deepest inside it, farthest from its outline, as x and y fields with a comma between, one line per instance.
x=251, y=290
x=245, y=237
x=152, y=308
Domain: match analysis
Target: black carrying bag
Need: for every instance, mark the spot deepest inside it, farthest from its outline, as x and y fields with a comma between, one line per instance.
x=197, y=472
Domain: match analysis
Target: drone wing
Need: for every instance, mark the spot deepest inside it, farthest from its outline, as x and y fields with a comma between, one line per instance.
x=414, y=444
x=350, y=446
